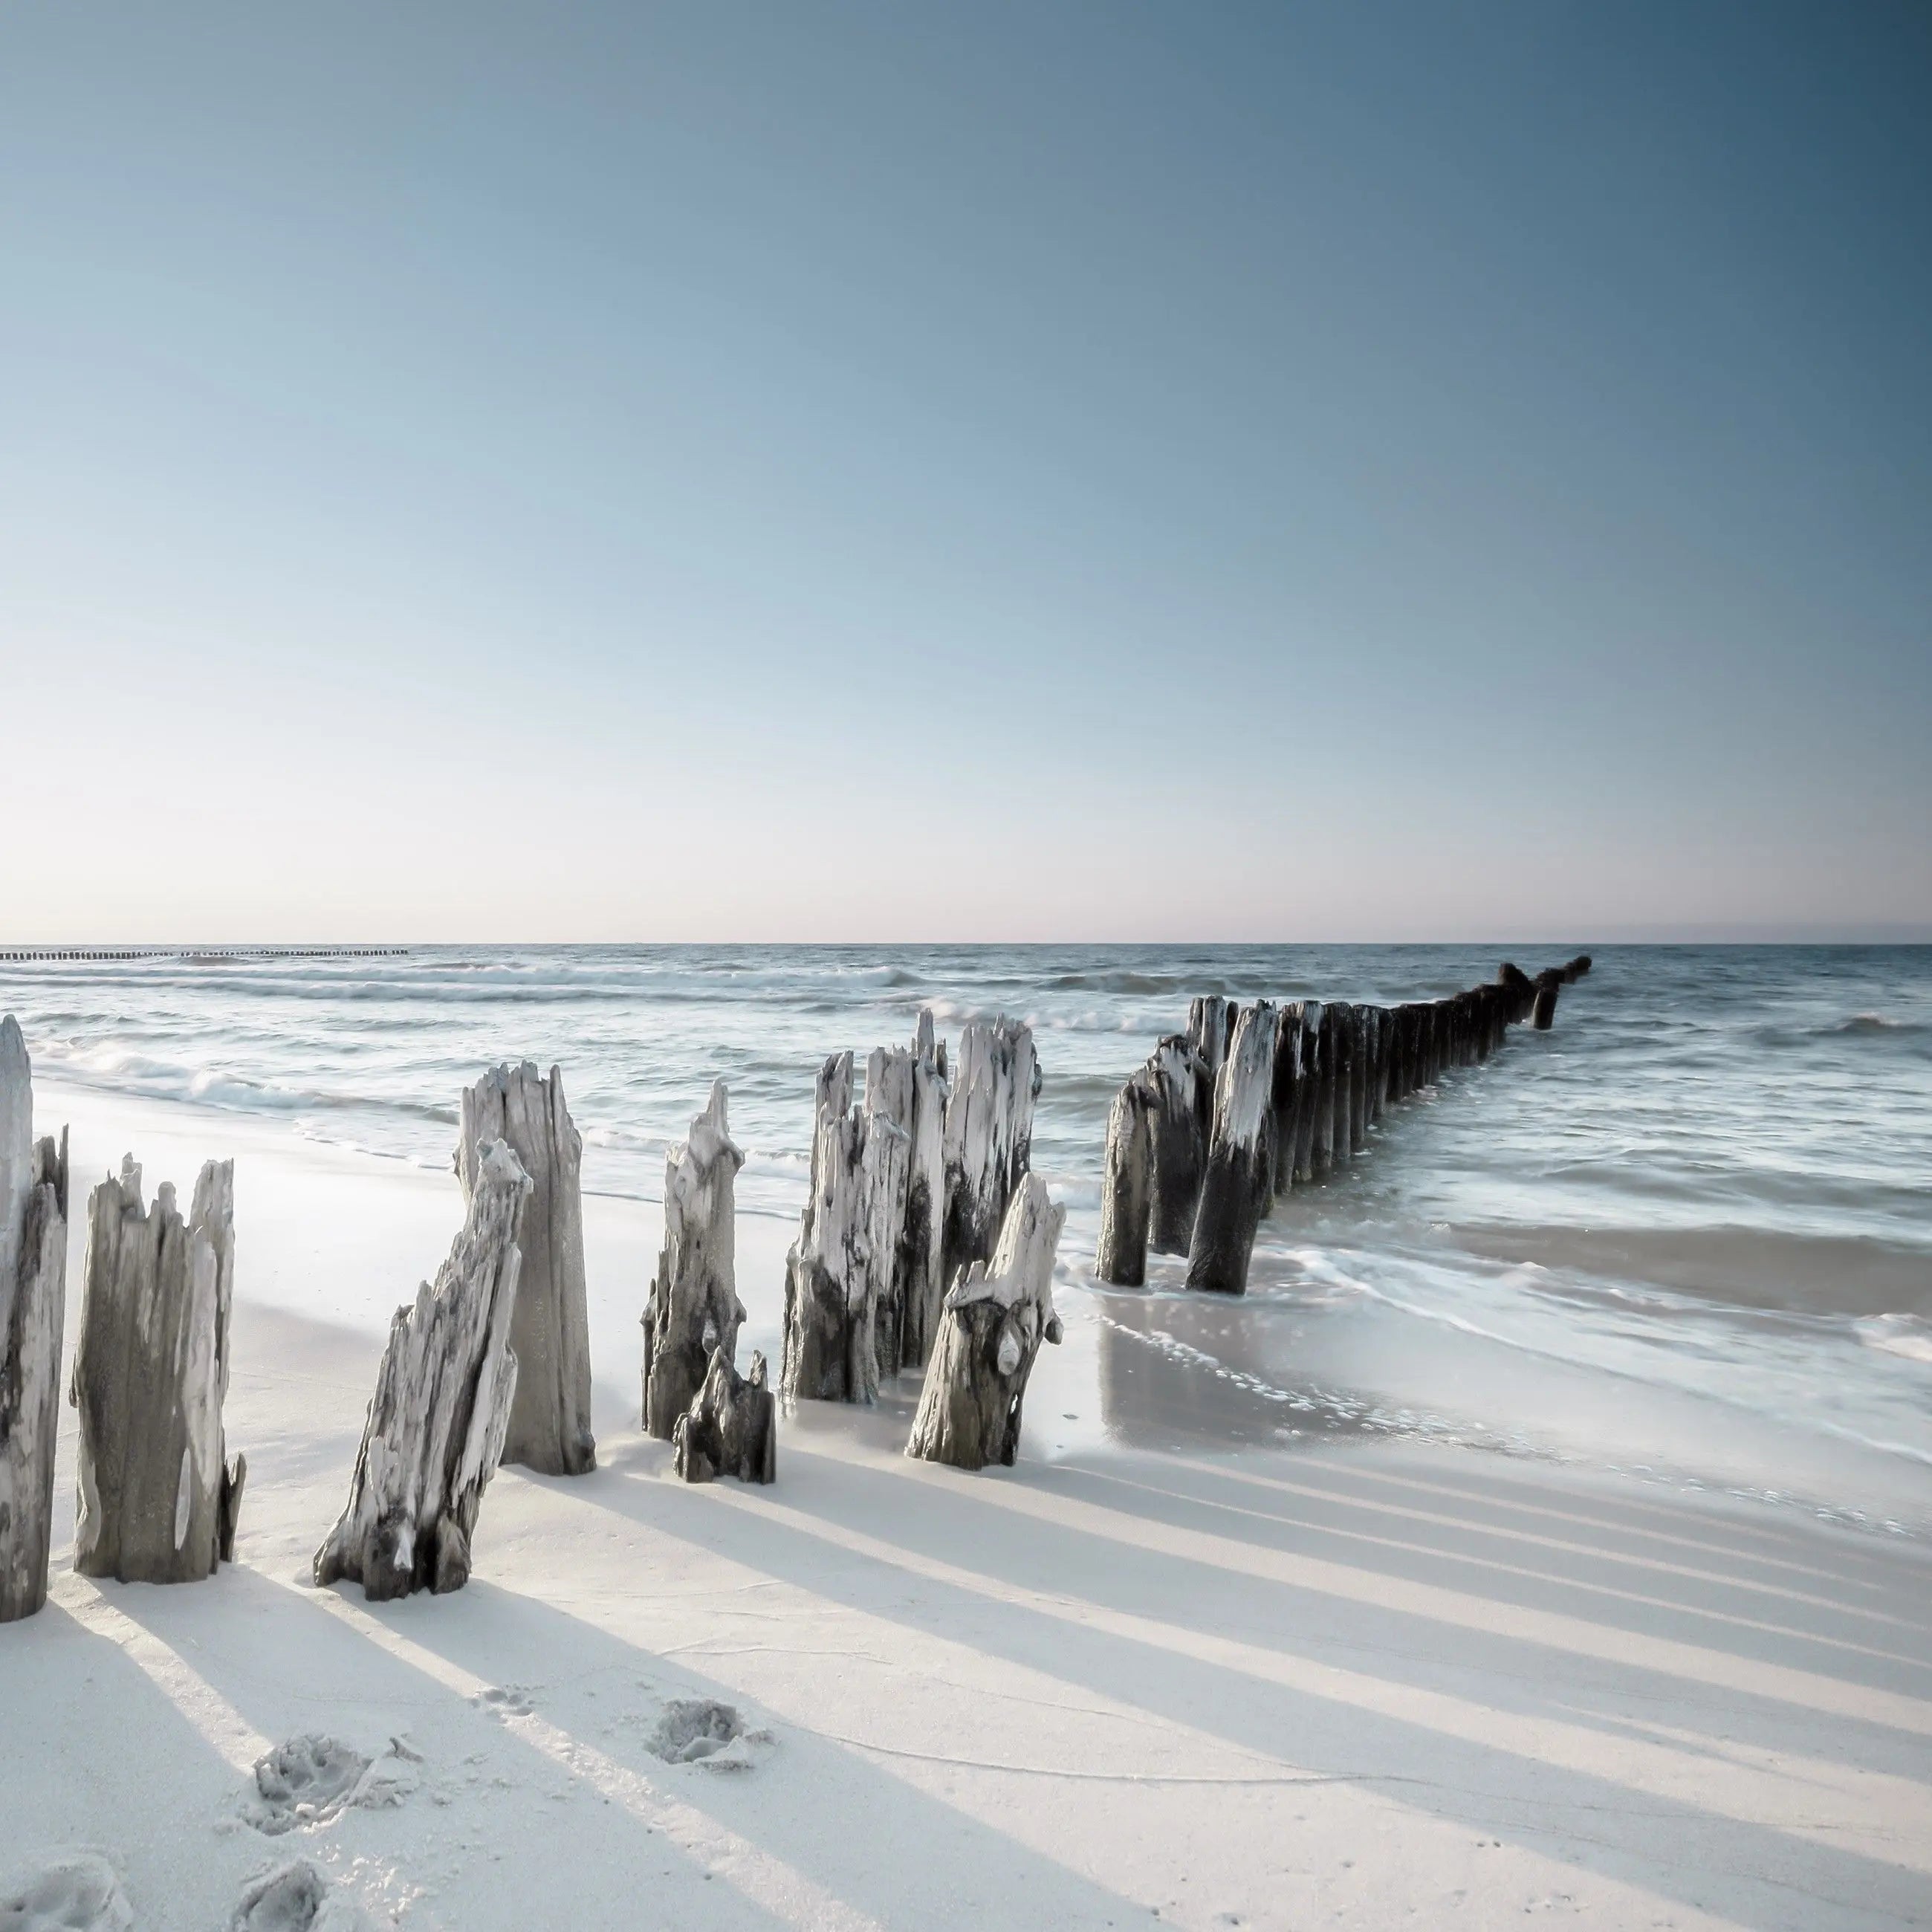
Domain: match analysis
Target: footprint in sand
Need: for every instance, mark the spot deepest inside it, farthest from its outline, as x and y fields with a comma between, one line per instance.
x=310, y=1779
x=506, y=1700
x=295, y=1897
x=67, y=1892
x=701, y=1730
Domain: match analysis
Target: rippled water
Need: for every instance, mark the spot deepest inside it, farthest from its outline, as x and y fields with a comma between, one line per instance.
x=1690, y=1230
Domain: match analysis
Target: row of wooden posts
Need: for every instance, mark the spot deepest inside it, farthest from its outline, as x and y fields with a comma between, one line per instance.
x=924, y=1183
x=1251, y=1101
x=17, y=956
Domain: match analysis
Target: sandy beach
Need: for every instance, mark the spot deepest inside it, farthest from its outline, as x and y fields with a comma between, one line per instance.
x=1367, y=1684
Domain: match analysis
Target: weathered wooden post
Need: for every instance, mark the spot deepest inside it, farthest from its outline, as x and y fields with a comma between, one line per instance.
x=1328, y=1056
x=731, y=1428
x=1360, y=1049
x=910, y=1088
x=1239, y=1182
x=1289, y=1093
x=1575, y=969
x=1547, y=985
x=994, y=1322
x=843, y=1261
x=988, y=1136
x=1177, y=1142
x=437, y=1422
x=1210, y=1026
x=1126, y=1185
x=1343, y=1133
x=1519, y=991
x=158, y=1502
x=549, y=1425
x=693, y=1309
x=33, y=1306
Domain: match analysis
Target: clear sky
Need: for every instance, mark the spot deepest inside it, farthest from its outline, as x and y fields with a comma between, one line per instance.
x=984, y=471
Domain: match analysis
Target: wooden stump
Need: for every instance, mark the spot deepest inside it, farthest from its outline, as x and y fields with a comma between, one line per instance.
x=1177, y=1141
x=549, y=1425
x=150, y=1372
x=842, y=1263
x=993, y=1323
x=1127, y=1186
x=1341, y=1129
x=988, y=1135
x=33, y=1306
x=437, y=1422
x=1519, y=992
x=1240, y=1183
x=1288, y=1093
x=1210, y=1027
x=731, y=1428
x=1308, y=1093
x=1547, y=985
x=1358, y=1082
x=1575, y=969
x=910, y=1089
x=694, y=1308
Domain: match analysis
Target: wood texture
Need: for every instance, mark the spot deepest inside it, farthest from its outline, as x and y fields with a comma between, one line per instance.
x=991, y=1329
x=693, y=1309
x=437, y=1422
x=549, y=1426
x=150, y=1374
x=33, y=1307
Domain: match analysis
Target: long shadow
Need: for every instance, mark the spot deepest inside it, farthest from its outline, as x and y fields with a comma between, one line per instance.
x=1402, y=1644
x=1323, y=1493
x=1680, y=1850
x=589, y=1687
x=71, y=1698
x=1420, y=1553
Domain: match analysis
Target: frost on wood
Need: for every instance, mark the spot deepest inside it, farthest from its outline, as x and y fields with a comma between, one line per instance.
x=442, y=1407
x=988, y=1135
x=994, y=1320
x=909, y=1088
x=731, y=1428
x=1239, y=1182
x=694, y=1307
x=549, y=1422
x=1177, y=1121
x=1125, y=1185
x=841, y=1264
x=33, y=1306
x=158, y=1502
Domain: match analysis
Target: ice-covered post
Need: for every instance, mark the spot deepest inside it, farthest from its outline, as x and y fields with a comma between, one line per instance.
x=1240, y=1157
x=436, y=1427
x=158, y=1502
x=988, y=1135
x=33, y=1305
x=1127, y=1184
x=694, y=1307
x=550, y=1424
x=994, y=1322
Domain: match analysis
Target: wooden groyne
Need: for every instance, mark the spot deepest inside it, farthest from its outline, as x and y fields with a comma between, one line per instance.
x=1252, y=1102
x=18, y=956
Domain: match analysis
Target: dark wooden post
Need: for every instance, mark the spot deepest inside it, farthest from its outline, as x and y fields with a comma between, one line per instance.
x=1287, y=1093
x=1309, y=1097
x=1547, y=985
x=1127, y=1186
x=1240, y=1157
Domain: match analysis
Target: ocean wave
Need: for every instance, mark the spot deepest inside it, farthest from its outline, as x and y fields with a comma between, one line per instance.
x=1909, y=1336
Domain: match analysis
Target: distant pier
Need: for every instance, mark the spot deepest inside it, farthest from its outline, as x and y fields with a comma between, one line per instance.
x=14, y=955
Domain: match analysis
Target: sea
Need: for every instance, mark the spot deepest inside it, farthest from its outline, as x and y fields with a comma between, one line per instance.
x=1685, y=1237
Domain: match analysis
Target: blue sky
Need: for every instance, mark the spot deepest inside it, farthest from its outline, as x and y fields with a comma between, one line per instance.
x=1036, y=471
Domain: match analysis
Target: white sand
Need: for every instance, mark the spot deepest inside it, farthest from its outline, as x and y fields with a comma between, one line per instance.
x=1363, y=1684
